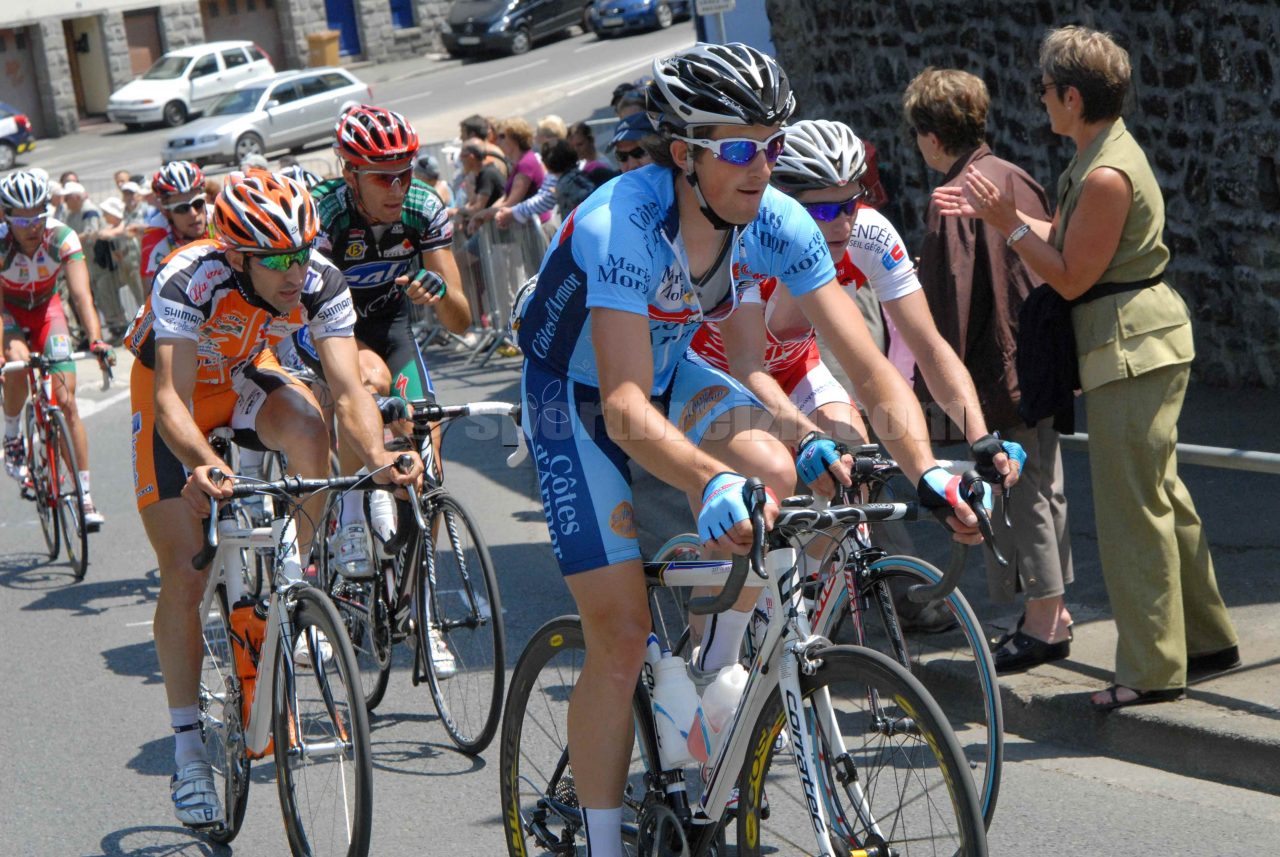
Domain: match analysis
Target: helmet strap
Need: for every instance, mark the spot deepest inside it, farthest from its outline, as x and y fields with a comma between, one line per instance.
x=691, y=176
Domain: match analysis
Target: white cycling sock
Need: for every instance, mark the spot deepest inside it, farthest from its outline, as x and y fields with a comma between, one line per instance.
x=84, y=483
x=722, y=639
x=382, y=515
x=11, y=426
x=187, y=743
x=604, y=831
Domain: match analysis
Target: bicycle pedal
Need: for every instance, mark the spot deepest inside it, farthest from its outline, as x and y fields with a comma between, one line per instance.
x=92, y=528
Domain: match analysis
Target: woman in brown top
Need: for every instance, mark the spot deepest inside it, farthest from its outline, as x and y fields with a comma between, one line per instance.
x=975, y=285
x=1103, y=251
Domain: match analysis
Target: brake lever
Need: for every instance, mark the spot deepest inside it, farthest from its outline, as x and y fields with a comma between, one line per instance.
x=1008, y=496
x=975, y=490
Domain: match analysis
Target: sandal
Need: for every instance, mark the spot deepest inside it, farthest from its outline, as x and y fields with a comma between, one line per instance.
x=1144, y=697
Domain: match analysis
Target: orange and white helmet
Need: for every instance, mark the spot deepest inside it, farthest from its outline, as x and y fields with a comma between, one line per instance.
x=265, y=213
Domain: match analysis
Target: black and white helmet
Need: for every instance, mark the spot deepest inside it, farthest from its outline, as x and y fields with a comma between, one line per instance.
x=177, y=177
x=24, y=189
x=732, y=84
x=819, y=154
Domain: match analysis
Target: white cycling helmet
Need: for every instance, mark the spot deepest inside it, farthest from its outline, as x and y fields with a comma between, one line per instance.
x=302, y=175
x=732, y=84
x=819, y=154
x=24, y=189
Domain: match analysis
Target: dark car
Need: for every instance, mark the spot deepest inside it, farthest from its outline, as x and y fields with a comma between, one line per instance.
x=16, y=136
x=507, y=26
x=613, y=17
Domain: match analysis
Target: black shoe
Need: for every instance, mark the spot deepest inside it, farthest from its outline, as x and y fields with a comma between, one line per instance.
x=1214, y=662
x=1022, y=652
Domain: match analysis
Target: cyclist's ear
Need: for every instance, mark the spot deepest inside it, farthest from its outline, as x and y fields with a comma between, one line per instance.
x=237, y=260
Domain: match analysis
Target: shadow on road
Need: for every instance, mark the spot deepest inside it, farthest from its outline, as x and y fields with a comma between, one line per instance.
x=32, y=572
x=158, y=841
x=79, y=599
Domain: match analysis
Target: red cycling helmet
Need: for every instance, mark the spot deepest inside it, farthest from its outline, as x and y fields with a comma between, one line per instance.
x=374, y=137
x=177, y=177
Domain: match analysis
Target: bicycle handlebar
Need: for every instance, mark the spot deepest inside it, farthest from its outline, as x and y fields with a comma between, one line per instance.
x=704, y=604
x=427, y=412
x=39, y=361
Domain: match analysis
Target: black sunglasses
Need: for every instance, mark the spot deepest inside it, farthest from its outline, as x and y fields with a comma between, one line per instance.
x=623, y=156
x=1039, y=87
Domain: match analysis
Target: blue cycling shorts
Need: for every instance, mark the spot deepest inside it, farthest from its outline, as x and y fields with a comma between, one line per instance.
x=582, y=474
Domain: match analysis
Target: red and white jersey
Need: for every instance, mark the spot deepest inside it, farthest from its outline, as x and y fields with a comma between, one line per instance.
x=28, y=282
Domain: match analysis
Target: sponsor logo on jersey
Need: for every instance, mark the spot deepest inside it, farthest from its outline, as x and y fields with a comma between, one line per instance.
x=622, y=520
x=892, y=257
x=700, y=405
x=181, y=315
x=619, y=271
x=404, y=248
x=356, y=250
x=373, y=274
x=553, y=307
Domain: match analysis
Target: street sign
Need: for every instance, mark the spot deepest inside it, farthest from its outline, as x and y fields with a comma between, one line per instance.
x=714, y=7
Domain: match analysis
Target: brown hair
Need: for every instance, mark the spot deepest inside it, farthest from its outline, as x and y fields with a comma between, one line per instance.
x=517, y=129
x=1093, y=63
x=950, y=103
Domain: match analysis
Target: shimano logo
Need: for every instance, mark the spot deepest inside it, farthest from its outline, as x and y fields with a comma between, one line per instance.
x=179, y=314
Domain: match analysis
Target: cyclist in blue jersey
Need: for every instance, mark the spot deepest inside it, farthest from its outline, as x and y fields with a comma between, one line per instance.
x=608, y=377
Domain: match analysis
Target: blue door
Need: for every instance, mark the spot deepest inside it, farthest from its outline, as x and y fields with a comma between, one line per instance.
x=342, y=17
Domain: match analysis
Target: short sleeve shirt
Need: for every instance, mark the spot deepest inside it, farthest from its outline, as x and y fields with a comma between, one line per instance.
x=877, y=257
x=621, y=249
x=530, y=166
x=29, y=282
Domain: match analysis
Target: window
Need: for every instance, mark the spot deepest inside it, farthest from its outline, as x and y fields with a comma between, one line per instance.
x=333, y=80
x=285, y=92
x=257, y=55
x=402, y=13
x=234, y=57
x=206, y=65
x=311, y=86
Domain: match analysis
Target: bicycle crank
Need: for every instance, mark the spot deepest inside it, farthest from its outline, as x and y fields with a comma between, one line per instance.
x=659, y=832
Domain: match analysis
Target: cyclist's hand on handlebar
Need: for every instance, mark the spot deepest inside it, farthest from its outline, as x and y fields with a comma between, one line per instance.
x=425, y=288
x=819, y=459
x=397, y=414
x=724, y=521
x=104, y=352
x=998, y=461
x=395, y=475
x=201, y=486
x=943, y=494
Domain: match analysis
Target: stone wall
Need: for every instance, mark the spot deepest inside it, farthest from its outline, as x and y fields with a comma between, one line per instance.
x=382, y=41
x=297, y=19
x=119, y=68
x=53, y=75
x=1206, y=108
x=180, y=25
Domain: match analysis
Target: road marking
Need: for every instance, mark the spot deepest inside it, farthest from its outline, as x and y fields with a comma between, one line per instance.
x=139, y=624
x=590, y=47
x=603, y=78
x=89, y=407
x=501, y=73
x=404, y=98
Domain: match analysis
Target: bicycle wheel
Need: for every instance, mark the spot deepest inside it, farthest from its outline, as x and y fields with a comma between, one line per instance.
x=954, y=665
x=670, y=606
x=456, y=600
x=324, y=763
x=70, y=495
x=364, y=615
x=890, y=772
x=40, y=475
x=221, y=724
x=539, y=801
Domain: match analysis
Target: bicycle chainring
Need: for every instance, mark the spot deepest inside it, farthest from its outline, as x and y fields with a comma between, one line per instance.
x=659, y=831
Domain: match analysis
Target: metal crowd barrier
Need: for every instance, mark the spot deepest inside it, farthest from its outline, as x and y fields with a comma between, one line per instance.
x=1204, y=456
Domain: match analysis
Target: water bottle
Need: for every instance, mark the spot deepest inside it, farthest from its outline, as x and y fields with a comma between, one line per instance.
x=719, y=701
x=382, y=519
x=675, y=700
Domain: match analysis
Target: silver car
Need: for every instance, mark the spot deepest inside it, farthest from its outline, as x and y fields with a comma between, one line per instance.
x=286, y=111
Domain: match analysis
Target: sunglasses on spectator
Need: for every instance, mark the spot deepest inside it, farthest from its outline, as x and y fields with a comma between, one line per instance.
x=1039, y=87
x=24, y=222
x=623, y=156
x=390, y=178
x=282, y=262
x=741, y=151
x=828, y=211
x=186, y=207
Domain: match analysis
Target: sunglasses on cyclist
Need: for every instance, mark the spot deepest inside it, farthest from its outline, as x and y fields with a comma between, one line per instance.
x=389, y=179
x=25, y=222
x=282, y=262
x=828, y=211
x=741, y=151
x=623, y=156
x=182, y=208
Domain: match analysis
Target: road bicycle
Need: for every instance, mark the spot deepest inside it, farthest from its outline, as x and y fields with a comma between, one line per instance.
x=868, y=764
x=435, y=586
x=52, y=481
x=279, y=678
x=858, y=597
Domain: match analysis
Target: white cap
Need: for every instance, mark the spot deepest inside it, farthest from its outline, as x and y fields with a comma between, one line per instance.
x=112, y=205
x=55, y=188
x=73, y=189
x=130, y=187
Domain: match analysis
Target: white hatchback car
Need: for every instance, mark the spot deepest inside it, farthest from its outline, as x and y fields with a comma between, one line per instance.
x=186, y=81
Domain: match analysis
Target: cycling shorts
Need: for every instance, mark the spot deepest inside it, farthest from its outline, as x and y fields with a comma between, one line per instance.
x=813, y=388
x=391, y=338
x=45, y=331
x=582, y=473
x=157, y=472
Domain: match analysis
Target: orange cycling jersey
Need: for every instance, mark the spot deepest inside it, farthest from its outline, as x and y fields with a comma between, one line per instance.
x=198, y=296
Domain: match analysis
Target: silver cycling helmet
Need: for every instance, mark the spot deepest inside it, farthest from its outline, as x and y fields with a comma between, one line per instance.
x=732, y=84
x=819, y=154
x=302, y=175
x=24, y=189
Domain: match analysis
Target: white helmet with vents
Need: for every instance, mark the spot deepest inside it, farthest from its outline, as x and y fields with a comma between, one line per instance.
x=732, y=84
x=819, y=154
x=24, y=189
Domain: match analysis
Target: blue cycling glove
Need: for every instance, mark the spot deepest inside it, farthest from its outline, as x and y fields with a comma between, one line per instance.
x=940, y=490
x=986, y=448
x=724, y=503
x=817, y=453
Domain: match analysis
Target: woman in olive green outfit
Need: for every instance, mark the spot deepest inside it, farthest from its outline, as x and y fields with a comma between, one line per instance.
x=1103, y=251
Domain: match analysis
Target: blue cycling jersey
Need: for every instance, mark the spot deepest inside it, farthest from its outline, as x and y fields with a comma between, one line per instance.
x=621, y=249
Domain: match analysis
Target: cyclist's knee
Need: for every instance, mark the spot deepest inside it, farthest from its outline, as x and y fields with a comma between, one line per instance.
x=16, y=349
x=774, y=465
x=616, y=641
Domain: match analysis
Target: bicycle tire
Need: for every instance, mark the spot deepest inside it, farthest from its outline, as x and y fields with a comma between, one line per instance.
x=339, y=722
x=955, y=665
x=456, y=596
x=221, y=722
x=671, y=605
x=38, y=471
x=880, y=763
x=536, y=782
x=364, y=615
x=75, y=538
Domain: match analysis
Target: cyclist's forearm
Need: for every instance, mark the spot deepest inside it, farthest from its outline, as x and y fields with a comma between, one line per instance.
x=952, y=387
x=82, y=297
x=181, y=434
x=656, y=445
x=360, y=425
x=896, y=418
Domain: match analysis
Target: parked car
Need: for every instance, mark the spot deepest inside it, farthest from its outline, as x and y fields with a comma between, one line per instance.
x=286, y=111
x=613, y=17
x=184, y=82
x=507, y=26
x=16, y=136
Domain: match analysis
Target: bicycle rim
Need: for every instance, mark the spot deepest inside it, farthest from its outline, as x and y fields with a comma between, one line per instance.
x=670, y=606
x=70, y=497
x=540, y=808
x=893, y=778
x=955, y=665
x=40, y=473
x=323, y=759
x=364, y=616
x=458, y=601
x=220, y=719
